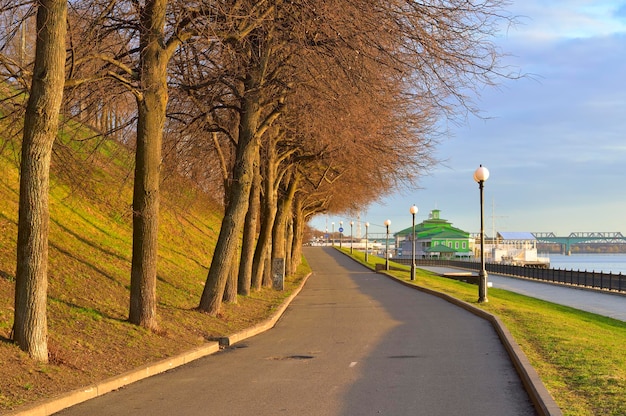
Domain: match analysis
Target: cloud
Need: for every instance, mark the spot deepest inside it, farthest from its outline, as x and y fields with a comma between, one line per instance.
x=547, y=20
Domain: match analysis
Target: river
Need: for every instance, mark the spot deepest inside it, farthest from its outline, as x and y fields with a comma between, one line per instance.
x=608, y=263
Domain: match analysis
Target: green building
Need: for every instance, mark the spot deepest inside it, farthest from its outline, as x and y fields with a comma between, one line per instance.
x=434, y=237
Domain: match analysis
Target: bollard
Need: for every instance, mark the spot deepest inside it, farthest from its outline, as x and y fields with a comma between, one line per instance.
x=278, y=274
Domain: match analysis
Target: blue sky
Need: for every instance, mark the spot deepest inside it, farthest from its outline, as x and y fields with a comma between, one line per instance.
x=554, y=141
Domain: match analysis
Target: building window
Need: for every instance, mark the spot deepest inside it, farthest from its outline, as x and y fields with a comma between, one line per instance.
x=456, y=244
x=464, y=245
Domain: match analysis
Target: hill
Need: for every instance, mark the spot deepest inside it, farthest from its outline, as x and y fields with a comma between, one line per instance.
x=89, y=272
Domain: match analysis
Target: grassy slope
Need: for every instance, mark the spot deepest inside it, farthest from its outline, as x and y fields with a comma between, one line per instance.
x=578, y=355
x=89, y=275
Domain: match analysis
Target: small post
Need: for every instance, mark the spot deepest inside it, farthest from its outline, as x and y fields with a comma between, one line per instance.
x=387, y=224
x=413, y=211
x=367, y=224
x=351, y=237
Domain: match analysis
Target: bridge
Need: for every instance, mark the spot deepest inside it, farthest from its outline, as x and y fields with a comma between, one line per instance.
x=580, y=238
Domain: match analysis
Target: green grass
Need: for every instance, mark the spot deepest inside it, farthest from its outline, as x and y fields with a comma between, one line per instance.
x=579, y=356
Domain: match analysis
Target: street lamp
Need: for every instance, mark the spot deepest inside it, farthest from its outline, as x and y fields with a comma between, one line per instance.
x=480, y=176
x=413, y=211
x=351, y=236
x=367, y=224
x=387, y=224
x=340, y=233
x=333, y=234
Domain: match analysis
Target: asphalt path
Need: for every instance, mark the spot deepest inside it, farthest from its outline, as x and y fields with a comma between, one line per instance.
x=600, y=302
x=353, y=342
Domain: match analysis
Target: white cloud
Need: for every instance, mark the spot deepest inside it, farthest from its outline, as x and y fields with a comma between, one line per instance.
x=548, y=20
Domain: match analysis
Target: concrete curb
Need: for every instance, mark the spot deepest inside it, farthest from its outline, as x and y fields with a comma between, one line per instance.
x=56, y=404
x=541, y=398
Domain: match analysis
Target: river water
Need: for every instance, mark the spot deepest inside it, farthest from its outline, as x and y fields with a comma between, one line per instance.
x=607, y=263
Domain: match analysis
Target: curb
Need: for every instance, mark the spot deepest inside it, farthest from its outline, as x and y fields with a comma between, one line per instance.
x=49, y=406
x=539, y=395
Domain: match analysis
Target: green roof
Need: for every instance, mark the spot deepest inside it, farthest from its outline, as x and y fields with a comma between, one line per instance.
x=434, y=227
x=440, y=249
x=445, y=234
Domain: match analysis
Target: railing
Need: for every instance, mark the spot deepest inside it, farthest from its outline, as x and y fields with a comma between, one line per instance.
x=598, y=280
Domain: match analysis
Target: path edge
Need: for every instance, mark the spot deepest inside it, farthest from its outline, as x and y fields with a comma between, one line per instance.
x=540, y=396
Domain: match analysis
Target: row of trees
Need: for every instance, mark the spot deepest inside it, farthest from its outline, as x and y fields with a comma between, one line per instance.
x=285, y=108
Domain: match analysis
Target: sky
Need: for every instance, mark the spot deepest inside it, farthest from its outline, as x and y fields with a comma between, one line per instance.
x=554, y=141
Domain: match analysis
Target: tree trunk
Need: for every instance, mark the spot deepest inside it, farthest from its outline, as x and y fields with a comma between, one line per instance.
x=243, y=172
x=244, y=281
x=152, y=102
x=267, y=267
x=230, y=291
x=289, y=245
x=30, y=330
x=278, y=231
x=298, y=234
x=267, y=221
x=258, y=265
x=279, y=234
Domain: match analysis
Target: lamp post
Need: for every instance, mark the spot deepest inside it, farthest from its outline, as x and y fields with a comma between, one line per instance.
x=367, y=224
x=351, y=236
x=340, y=233
x=481, y=175
x=333, y=234
x=387, y=224
x=413, y=211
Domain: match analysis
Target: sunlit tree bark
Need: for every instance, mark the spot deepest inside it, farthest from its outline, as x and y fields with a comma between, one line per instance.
x=151, y=104
x=40, y=130
x=250, y=235
x=283, y=214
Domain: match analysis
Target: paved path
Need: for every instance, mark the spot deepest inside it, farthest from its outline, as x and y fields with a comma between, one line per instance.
x=352, y=343
x=602, y=303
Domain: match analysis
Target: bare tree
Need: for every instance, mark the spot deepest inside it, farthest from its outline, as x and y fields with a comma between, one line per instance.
x=272, y=175
x=142, y=70
x=133, y=45
x=40, y=130
x=258, y=108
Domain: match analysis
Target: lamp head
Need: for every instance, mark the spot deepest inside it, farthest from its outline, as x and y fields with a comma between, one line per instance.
x=413, y=209
x=481, y=174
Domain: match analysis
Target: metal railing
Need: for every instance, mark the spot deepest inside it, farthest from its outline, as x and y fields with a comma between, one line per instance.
x=592, y=279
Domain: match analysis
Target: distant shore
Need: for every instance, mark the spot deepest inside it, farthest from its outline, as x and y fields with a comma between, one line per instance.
x=597, y=248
